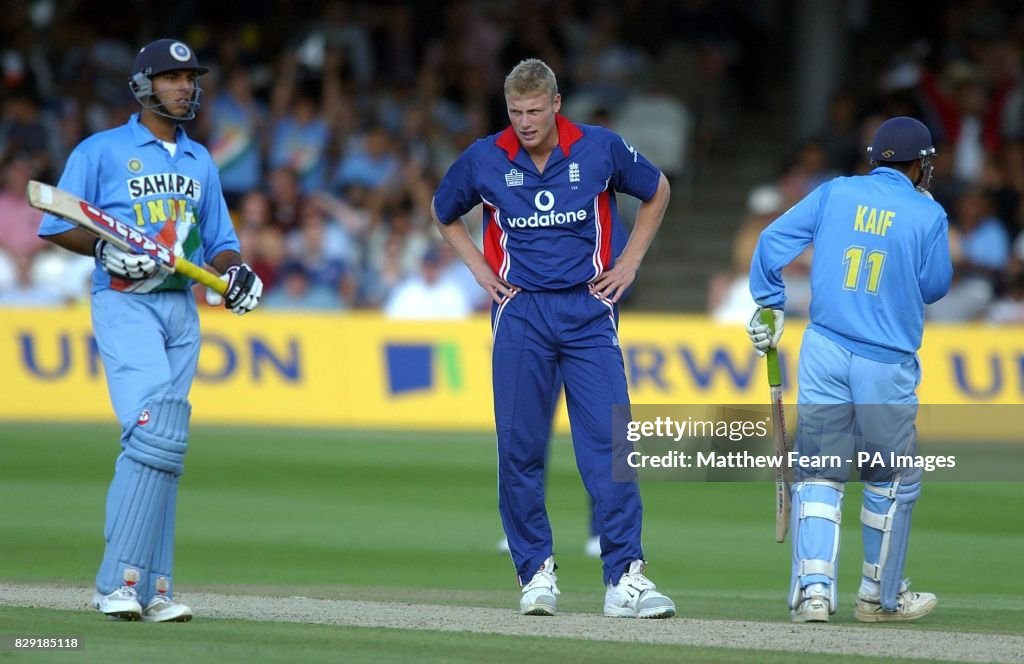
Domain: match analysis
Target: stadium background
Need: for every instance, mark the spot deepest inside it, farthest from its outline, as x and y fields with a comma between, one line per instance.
x=742, y=136
x=746, y=106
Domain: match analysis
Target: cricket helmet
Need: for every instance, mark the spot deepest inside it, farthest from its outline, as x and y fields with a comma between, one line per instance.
x=901, y=139
x=162, y=56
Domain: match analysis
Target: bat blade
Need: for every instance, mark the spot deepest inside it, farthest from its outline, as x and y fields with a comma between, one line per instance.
x=781, y=449
x=779, y=435
x=118, y=233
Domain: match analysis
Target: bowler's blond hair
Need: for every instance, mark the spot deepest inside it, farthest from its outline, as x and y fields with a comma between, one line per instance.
x=531, y=78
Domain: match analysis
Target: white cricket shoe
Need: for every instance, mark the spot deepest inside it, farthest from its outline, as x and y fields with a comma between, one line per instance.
x=123, y=603
x=163, y=609
x=635, y=596
x=815, y=605
x=539, y=594
x=909, y=606
x=592, y=549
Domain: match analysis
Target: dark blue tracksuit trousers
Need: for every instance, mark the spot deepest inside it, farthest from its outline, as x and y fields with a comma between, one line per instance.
x=536, y=332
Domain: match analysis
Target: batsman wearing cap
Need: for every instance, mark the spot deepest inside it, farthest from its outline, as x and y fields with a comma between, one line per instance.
x=149, y=174
x=881, y=253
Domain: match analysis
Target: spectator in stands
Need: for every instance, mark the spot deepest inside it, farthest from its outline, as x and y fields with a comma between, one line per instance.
x=969, y=114
x=254, y=210
x=809, y=167
x=351, y=213
x=424, y=141
x=295, y=289
x=535, y=35
x=841, y=139
x=608, y=68
x=339, y=35
x=19, y=221
x=383, y=271
x=426, y=295
x=729, y=299
x=318, y=232
x=999, y=182
x=285, y=197
x=267, y=255
x=325, y=252
x=300, y=127
x=1009, y=309
x=24, y=292
x=394, y=250
x=24, y=132
x=1016, y=266
x=980, y=249
x=454, y=271
x=236, y=121
x=369, y=160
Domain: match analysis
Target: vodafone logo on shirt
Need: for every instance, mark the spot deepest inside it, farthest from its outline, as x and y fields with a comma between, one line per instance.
x=544, y=202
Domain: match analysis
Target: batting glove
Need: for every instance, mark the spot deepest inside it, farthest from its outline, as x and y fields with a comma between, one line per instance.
x=245, y=289
x=123, y=264
x=762, y=335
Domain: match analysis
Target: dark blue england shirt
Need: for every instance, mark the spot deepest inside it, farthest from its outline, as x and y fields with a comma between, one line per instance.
x=550, y=230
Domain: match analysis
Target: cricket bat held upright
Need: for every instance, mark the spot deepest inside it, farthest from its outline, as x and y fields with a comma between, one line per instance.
x=780, y=437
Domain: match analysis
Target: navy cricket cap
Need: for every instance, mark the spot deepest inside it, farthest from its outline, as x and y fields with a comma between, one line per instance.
x=166, y=55
x=901, y=139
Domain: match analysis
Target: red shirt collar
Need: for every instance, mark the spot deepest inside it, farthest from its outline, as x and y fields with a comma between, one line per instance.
x=568, y=133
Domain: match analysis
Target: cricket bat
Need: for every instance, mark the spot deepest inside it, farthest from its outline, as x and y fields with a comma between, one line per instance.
x=118, y=233
x=780, y=437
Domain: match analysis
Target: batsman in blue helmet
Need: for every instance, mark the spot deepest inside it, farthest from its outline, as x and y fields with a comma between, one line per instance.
x=149, y=173
x=881, y=253
x=548, y=187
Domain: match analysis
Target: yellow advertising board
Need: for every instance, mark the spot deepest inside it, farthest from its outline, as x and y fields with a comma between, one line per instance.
x=361, y=370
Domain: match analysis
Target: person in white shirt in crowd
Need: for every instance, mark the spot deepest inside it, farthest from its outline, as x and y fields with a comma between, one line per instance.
x=426, y=295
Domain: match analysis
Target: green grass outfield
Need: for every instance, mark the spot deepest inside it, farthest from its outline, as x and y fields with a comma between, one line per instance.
x=413, y=517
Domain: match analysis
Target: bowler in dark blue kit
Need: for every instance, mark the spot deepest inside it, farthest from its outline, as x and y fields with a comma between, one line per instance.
x=548, y=189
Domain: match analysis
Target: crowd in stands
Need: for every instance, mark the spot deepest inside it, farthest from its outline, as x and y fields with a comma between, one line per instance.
x=331, y=123
x=967, y=86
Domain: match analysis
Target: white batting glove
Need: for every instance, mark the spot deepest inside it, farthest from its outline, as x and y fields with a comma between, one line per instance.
x=761, y=335
x=123, y=264
x=245, y=289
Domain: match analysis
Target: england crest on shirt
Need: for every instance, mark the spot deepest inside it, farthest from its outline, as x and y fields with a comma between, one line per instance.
x=574, y=172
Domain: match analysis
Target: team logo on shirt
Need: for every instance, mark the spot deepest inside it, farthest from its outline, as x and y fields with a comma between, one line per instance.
x=144, y=417
x=161, y=197
x=164, y=183
x=544, y=202
x=514, y=178
x=134, y=165
x=574, y=172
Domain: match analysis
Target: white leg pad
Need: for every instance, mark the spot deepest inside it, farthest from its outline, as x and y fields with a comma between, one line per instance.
x=816, y=515
x=886, y=533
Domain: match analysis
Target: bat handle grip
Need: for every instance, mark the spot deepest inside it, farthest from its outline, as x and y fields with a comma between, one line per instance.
x=774, y=371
